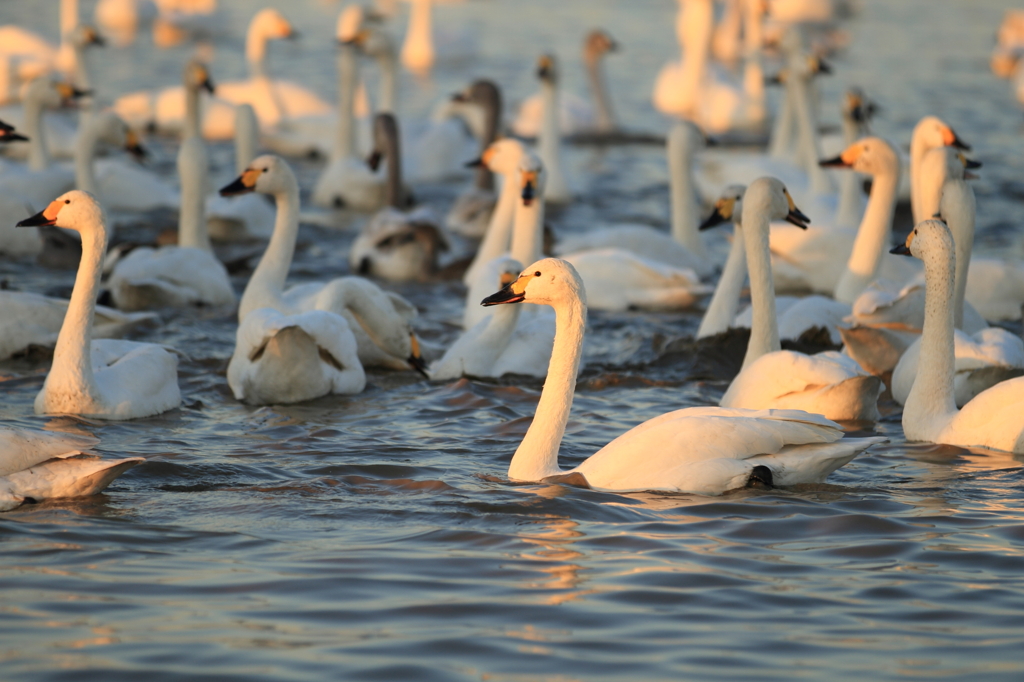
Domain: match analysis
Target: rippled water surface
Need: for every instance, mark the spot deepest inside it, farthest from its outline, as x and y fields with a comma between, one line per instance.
x=376, y=536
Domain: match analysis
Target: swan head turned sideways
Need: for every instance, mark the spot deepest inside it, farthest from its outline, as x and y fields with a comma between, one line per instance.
x=928, y=239
x=768, y=196
x=549, y=281
x=272, y=25
x=84, y=35
x=935, y=132
x=870, y=155
x=597, y=44
x=75, y=210
x=197, y=76
x=267, y=174
x=502, y=156
x=727, y=208
x=349, y=28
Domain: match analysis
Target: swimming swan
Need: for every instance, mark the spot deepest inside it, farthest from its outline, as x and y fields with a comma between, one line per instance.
x=704, y=450
x=993, y=419
x=102, y=379
x=42, y=465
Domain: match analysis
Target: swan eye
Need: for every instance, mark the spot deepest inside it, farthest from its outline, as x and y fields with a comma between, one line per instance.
x=537, y=274
x=265, y=170
x=67, y=201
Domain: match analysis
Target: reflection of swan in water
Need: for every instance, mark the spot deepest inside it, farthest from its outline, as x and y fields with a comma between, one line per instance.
x=553, y=536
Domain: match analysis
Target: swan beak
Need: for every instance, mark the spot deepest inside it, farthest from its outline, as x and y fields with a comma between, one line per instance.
x=529, y=187
x=243, y=184
x=359, y=39
x=777, y=79
x=373, y=160
x=415, y=359
x=901, y=250
x=844, y=160
x=796, y=217
x=513, y=292
x=721, y=214
x=95, y=38
x=131, y=144
x=478, y=162
x=69, y=93
x=950, y=139
x=972, y=164
x=545, y=67
x=836, y=162
x=48, y=216
x=823, y=67
x=292, y=34
x=11, y=136
x=482, y=161
x=208, y=85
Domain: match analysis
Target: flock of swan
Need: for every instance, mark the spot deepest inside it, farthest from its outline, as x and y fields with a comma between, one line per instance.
x=917, y=329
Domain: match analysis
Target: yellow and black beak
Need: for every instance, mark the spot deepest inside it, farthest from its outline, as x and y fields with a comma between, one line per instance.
x=513, y=292
x=529, y=192
x=545, y=67
x=69, y=93
x=95, y=38
x=716, y=218
x=46, y=217
x=415, y=359
x=373, y=160
x=208, y=85
x=8, y=135
x=243, y=184
x=132, y=146
x=478, y=162
x=796, y=217
x=951, y=139
x=835, y=162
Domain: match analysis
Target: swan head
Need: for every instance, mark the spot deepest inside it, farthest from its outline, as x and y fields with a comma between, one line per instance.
x=502, y=156
x=870, y=155
x=477, y=104
x=112, y=129
x=53, y=94
x=727, y=208
x=8, y=134
x=349, y=28
x=857, y=107
x=85, y=35
x=196, y=75
x=549, y=281
x=686, y=138
x=272, y=25
x=934, y=132
x=267, y=174
x=768, y=196
x=531, y=178
x=597, y=44
x=75, y=210
x=547, y=68
x=930, y=238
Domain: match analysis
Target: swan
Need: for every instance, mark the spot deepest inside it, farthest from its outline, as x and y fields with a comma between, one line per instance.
x=930, y=133
x=992, y=419
x=684, y=248
x=249, y=215
x=396, y=245
x=471, y=213
x=188, y=273
x=575, y=114
x=502, y=343
x=105, y=378
x=40, y=56
x=378, y=319
x=24, y=242
x=703, y=450
x=827, y=383
x=41, y=465
x=549, y=142
x=983, y=358
x=121, y=185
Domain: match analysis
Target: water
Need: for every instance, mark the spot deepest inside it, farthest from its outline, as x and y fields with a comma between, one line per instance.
x=376, y=537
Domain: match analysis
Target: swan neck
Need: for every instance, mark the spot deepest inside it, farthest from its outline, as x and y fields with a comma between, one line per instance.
x=724, y=302
x=527, y=232
x=38, y=157
x=873, y=237
x=388, y=81
x=497, y=237
x=549, y=133
x=537, y=456
x=764, y=329
x=267, y=282
x=393, y=155
x=85, y=152
x=191, y=112
x=256, y=41
x=685, y=209
x=807, y=129
x=492, y=127
x=193, y=172
x=602, y=102
x=418, y=35
x=246, y=141
x=344, y=135
x=932, y=394
x=72, y=362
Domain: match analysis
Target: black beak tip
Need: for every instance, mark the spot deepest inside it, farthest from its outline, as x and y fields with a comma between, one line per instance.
x=417, y=364
x=835, y=162
x=712, y=221
x=900, y=250
x=960, y=144
x=373, y=161
x=235, y=188
x=475, y=163
x=37, y=220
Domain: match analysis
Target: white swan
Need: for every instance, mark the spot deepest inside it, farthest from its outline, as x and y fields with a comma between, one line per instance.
x=983, y=358
x=379, y=320
x=684, y=247
x=502, y=343
x=993, y=419
x=102, y=379
x=188, y=273
x=120, y=184
x=705, y=450
x=42, y=465
x=930, y=133
x=827, y=383
x=396, y=245
x=557, y=188
x=720, y=313
x=249, y=215
x=575, y=113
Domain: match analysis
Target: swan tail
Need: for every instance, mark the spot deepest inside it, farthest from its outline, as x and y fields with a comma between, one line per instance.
x=812, y=463
x=75, y=475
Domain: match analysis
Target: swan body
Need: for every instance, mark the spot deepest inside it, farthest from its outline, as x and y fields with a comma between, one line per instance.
x=106, y=378
x=41, y=465
x=619, y=280
x=704, y=450
x=828, y=383
x=502, y=343
x=291, y=358
x=378, y=320
x=396, y=245
x=643, y=241
x=992, y=419
x=35, y=320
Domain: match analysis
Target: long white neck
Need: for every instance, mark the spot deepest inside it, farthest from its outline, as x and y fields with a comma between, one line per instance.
x=38, y=157
x=851, y=198
x=602, y=102
x=764, y=329
x=958, y=208
x=807, y=128
x=497, y=239
x=685, y=209
x=780, y=143
x=931, y=399
x=246, y=136
x=83, y=81
x=192, y=128
x=267, y=281
x=753, y=73
x=193, y=171
x=722, y=310
x=549, y=143
x=418, y=48
x=388, y=81
x=85, y=150
x=528, y=231
x=256, y=42
x=72, y=361
x=873, y=237
x=933, y=172
x=918, y=148
x=698, y=17
x=344, y=135
x=537, y=456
